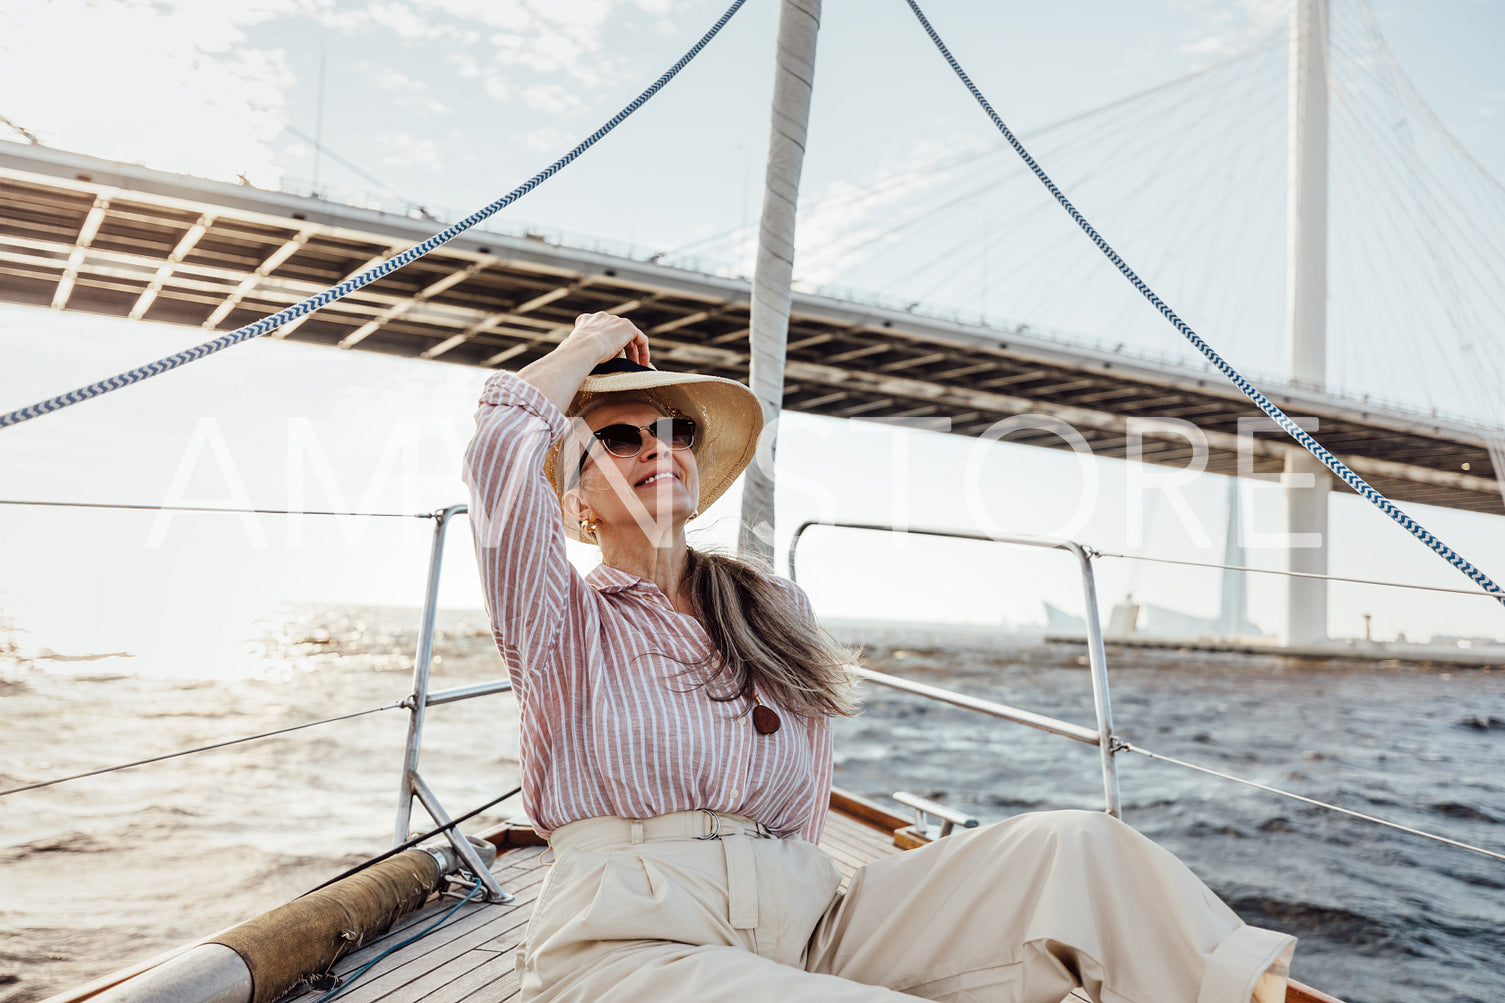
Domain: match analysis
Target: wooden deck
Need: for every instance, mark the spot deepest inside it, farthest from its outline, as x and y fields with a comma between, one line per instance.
x=471, y=955
x=470, y=958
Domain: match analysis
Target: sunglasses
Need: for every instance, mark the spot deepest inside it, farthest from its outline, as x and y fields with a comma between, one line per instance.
x=627, y=440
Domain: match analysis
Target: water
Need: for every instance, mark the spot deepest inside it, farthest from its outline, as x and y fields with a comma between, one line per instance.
x=99, y=873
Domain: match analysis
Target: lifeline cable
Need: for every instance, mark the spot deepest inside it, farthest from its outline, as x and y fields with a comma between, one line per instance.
x=415, y=840
x=201, y=748
x=128, y=507
x=1122, y=746
x=1314, y=447
x=268, y=324
x=1293, y=574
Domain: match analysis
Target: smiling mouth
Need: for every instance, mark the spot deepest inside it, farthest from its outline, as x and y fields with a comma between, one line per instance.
x=655, y=477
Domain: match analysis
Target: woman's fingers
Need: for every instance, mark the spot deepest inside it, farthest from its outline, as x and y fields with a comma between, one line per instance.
x=637, y=349
x=616, y=337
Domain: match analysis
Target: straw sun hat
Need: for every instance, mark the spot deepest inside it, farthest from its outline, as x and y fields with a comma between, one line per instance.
x=728, y=421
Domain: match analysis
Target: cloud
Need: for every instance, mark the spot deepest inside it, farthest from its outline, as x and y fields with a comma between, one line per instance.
x=553, y=99
x=497, y=88
x=206, y=87
x=186, y=90
x=549, y=140
x=409, y=92
x=407, y=150
x=848, y=222
x=1227, y=29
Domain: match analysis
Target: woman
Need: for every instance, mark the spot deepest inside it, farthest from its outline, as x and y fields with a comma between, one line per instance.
x=676, y=749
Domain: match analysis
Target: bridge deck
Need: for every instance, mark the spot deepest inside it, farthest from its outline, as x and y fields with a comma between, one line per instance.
x=83, y=234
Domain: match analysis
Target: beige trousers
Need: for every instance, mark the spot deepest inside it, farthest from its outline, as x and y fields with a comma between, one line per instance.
x=1023, y=911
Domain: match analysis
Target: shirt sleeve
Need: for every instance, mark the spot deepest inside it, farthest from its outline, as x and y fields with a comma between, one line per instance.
x=515, y=517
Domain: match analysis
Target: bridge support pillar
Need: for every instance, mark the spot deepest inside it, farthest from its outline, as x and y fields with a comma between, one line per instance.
x=1307, y=486
x=1306, y=310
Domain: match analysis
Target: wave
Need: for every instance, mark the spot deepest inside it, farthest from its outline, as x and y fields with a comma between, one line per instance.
x=1334, y=923
x=61, y=843
x=1453, y=809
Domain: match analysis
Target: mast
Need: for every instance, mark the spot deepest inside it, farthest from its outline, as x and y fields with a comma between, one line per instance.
x=1307, y=481
x=794, y=74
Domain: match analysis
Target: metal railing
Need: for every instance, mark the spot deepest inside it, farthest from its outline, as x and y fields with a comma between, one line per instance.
x=1102, y=737
x=1109, y=745
x=412, y=785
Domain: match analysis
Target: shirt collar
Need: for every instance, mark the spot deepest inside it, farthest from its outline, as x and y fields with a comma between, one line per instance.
x=608, y=579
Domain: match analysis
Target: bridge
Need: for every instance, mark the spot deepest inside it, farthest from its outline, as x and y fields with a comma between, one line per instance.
x=78, y=233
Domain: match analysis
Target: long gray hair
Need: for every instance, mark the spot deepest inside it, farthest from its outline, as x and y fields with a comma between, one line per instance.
x=761, y=636
x=764, y=638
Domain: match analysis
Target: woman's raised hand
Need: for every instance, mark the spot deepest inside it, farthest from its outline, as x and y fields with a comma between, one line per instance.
x=613, y=337
x=595, y=338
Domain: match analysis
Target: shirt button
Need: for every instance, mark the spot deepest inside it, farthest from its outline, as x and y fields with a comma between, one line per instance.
x=735, y=793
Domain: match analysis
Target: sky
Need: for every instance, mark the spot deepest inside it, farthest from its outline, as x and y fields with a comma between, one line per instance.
x=449, y=103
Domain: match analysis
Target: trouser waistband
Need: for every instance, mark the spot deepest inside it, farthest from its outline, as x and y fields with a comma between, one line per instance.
x=701, y=823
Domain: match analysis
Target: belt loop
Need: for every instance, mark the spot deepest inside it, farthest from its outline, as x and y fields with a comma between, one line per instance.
x=637, y=831
x=741, y=884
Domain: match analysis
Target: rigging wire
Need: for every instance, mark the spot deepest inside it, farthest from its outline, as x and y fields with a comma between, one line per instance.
x=1337, y=466
x=355, y=282
x=1122, y=746
x=202, y=748
x=352, y=167
x=209, y=508
x=1294, y=574
x=415, y=840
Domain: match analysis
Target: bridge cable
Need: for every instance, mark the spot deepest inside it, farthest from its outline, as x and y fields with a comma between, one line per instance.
x=268, y=324
x=1337, y=466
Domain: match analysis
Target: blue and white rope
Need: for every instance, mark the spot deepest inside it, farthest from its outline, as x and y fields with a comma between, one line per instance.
x=350, y=285
x=1332, y=463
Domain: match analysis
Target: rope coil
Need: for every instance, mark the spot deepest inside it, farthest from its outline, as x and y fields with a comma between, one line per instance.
x=1337, y=466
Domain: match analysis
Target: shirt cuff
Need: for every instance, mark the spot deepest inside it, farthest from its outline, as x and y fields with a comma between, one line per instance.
x=506, y=389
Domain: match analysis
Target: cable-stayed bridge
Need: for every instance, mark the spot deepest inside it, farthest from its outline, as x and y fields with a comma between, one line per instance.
x=1402, y=298
x=83, y=234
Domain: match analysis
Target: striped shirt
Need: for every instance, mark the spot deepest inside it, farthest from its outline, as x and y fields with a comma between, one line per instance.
x=612, y=723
